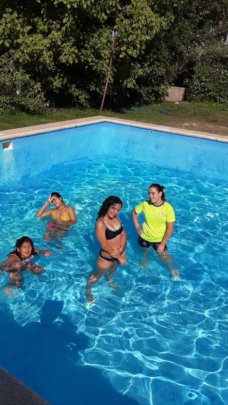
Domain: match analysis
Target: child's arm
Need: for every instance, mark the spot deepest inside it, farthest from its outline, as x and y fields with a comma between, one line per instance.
x=34, y=268
x=43, y=252
x=12, y=263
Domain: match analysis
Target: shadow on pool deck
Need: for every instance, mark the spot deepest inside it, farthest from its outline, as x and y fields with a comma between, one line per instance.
x=43, y=356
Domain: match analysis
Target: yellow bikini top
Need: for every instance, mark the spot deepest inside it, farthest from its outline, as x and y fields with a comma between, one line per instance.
x=63, y=217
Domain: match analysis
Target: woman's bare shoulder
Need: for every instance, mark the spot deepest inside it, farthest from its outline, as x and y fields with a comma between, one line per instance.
x=69, y=208
x=100, y=223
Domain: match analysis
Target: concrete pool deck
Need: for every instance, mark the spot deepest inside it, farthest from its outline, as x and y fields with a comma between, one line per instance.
x=38, y=129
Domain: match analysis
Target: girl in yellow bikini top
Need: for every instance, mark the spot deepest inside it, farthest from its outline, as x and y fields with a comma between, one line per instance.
x=64, y=216
x=61, y=212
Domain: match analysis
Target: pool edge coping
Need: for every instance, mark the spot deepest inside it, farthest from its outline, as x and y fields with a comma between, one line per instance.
x=44, y=128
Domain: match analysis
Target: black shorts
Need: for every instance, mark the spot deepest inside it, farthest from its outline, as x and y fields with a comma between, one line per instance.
x=145, y=244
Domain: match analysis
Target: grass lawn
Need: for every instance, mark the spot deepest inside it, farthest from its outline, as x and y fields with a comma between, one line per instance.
x=209, y=117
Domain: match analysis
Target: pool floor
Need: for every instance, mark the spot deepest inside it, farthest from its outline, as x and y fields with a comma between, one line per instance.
x=153, y=340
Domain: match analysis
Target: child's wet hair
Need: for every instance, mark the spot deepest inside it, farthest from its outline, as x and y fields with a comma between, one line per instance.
x=24, y=239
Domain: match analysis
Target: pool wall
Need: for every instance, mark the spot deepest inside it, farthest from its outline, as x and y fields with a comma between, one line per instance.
x=34, y=154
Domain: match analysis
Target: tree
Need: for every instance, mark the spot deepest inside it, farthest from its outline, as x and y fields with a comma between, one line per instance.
x=65, y=45
x=195, y=31
x=17, y=90
x=209, y=80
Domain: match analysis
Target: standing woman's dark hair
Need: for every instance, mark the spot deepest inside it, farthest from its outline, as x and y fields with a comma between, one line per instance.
x=160, y=189
x=108, y=202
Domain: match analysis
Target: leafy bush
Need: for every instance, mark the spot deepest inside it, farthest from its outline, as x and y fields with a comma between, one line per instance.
x=209, y=82
x=17, y=90
x=210, y=77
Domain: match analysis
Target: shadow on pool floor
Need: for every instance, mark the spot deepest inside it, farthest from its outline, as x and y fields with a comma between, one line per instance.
x=40, y=355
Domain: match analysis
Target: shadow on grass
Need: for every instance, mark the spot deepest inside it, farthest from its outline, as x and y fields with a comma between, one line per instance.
x=44, y=357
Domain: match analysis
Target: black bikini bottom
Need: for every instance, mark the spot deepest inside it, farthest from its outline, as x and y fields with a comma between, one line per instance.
x=109, y=259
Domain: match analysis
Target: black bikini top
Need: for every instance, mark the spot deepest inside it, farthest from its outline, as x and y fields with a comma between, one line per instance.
x=110, y=234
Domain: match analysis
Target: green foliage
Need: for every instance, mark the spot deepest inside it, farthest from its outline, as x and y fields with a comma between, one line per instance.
x=210, y=78
x=209, y=82
x=195, y=24
x=64, y=47
x=17, y=90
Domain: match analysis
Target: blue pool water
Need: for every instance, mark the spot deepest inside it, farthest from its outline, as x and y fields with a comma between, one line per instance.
x=153, y=340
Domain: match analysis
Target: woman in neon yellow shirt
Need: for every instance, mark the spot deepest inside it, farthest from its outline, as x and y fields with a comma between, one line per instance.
x=157, y=227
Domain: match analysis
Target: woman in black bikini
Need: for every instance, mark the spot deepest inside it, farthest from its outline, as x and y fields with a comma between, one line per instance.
x=112, y=239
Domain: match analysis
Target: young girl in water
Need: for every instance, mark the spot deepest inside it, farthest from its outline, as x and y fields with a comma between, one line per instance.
x=20, y=260
x=62, y=216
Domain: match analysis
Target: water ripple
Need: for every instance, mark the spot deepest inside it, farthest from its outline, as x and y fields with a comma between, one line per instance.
x=158, y=341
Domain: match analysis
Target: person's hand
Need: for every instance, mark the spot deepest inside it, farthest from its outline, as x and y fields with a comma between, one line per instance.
x=139, y=229
x=34, y=268
x=115, y=253
x=16, y=265
x=49, y=200
x=122, y=260
x=161, y=248
x=47, y=252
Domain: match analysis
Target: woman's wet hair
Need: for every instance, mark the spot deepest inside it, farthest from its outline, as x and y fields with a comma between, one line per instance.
x=57, y=195
x=19, y=243
x=108, y=202
x=159, y=188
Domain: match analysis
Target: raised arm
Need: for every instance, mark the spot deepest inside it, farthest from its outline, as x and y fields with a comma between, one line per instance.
x=41, y=212
x=43, y=252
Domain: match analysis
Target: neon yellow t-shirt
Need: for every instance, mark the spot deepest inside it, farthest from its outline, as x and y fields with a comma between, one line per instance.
x=155, y=219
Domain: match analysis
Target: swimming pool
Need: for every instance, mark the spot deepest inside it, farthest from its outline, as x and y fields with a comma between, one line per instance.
x=153, y=340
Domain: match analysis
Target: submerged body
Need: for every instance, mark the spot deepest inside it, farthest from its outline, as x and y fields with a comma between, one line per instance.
x=62, y=217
